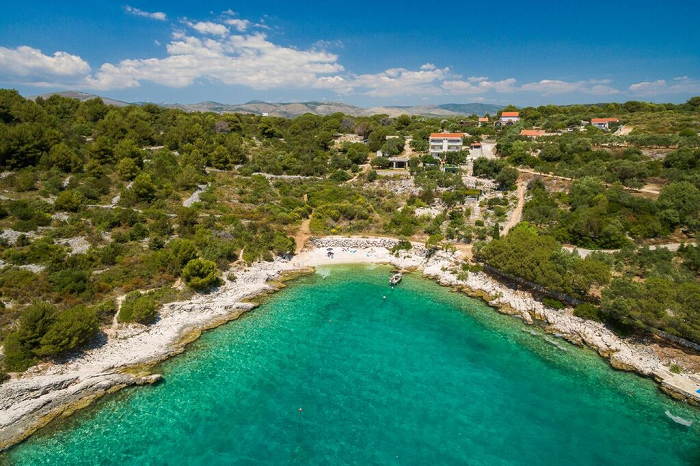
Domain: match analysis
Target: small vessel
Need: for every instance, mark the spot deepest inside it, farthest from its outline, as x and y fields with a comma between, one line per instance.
x=395, y=279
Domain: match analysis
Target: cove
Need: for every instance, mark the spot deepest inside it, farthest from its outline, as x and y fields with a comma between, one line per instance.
x=413, y=375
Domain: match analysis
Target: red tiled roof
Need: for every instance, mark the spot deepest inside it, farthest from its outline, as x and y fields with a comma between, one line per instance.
x=510, y=114
x=446, y=135
x=532, y=132
x=483, y=119
x=604, y=120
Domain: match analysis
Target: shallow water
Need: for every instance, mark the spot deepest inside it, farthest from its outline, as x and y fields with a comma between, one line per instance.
x=423, y=376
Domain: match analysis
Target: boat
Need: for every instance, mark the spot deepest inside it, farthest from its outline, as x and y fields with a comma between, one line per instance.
x=395, y=279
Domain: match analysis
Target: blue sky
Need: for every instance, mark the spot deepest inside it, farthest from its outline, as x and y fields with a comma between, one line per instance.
x=364, y=52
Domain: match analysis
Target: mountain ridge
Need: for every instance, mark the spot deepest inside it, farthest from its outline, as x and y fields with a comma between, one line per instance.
x=294, y=109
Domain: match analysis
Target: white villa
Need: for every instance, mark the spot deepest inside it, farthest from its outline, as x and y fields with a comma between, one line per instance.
x=445, y=142
x=509, y=118
x=603, y=123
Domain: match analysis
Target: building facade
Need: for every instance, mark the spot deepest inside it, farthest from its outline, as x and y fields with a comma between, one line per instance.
x=509, y=118
x=603, y=123
x=445, y=142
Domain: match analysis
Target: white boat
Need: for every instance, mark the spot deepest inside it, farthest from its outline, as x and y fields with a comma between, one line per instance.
x=395, y=279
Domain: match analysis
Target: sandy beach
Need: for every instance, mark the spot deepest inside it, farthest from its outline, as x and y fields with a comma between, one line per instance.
x=34, y=398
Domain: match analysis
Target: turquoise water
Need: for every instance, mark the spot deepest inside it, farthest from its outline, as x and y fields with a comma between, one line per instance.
x=424, y=376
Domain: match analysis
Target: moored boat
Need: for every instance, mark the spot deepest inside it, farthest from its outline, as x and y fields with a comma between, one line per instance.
x=395, y=279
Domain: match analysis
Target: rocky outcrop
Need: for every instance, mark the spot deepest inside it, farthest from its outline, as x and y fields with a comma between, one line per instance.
x=30, y=405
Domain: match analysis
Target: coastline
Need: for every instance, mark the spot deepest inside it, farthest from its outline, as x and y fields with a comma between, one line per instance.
x=47, y=391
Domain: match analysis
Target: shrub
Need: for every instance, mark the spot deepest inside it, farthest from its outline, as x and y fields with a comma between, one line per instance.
x=70, y=280
x=553, y=303
x=138, y=307
x=69, y=200
x=402, y=244
x=200, y=274
x=183, y=251
x=105, y=311
x=22, y=344
x=588, y=311
x=72, y=328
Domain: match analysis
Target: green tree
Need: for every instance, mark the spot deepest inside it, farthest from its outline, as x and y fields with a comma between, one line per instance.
x=21, y=345
x=69, y=200
x=63, y=157
x=127, y=169
x=143, y=187
x=200, y=274
x=72, y=328
x=680, y=204
x=220, y=158
x=138, y=307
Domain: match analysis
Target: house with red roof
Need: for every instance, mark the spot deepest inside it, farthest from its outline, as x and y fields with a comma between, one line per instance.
x=483, y=121
x=509, y=118
x=532, y=133
x=603, y=123
x=445, y=142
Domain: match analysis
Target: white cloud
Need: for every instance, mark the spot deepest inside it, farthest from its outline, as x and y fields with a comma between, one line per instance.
x=478, y=85
x=30, y=65
x=160, y=16
x=207, y=27
x=249, y=60
x=229, y=51
x=240, y=24
x=679, y=85
x=556, y=86
x=401, y=81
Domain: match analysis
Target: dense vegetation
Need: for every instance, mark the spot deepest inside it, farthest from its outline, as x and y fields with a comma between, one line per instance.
x=94, y=206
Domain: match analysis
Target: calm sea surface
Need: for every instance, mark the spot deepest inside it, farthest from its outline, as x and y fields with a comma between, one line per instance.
x=423, y=376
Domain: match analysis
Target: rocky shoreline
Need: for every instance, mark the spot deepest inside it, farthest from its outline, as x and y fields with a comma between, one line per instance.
x=43, y=393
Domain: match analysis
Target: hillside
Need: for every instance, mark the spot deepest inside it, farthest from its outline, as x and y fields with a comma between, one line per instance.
x=82, y=96
x=294, y=109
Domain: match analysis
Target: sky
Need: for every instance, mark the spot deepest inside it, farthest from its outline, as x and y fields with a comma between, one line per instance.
x=365, y=53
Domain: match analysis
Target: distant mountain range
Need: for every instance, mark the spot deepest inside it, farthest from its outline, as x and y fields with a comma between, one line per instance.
x=294, y=109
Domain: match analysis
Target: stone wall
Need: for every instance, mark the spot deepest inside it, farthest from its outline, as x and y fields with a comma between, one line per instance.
x=346, y=242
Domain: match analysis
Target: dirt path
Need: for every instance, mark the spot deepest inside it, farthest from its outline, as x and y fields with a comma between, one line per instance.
x=645, y=190
x=303, y=234
x=518, y=212
x=583, y=252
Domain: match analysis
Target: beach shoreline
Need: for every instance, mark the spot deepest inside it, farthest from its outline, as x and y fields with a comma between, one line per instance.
x=35, y=398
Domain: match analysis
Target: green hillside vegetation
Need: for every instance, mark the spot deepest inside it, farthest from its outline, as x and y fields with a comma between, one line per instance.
x=92, y=205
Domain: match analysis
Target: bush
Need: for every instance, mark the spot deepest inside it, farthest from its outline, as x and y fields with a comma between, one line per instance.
x=105, y=311
x=340, y=176
x=70, y=280
x=22, y=344
x=588, y=311
x=72, y=328
x=70, y=201
x=553, y=303
x=138, y=307
x=200, y=274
